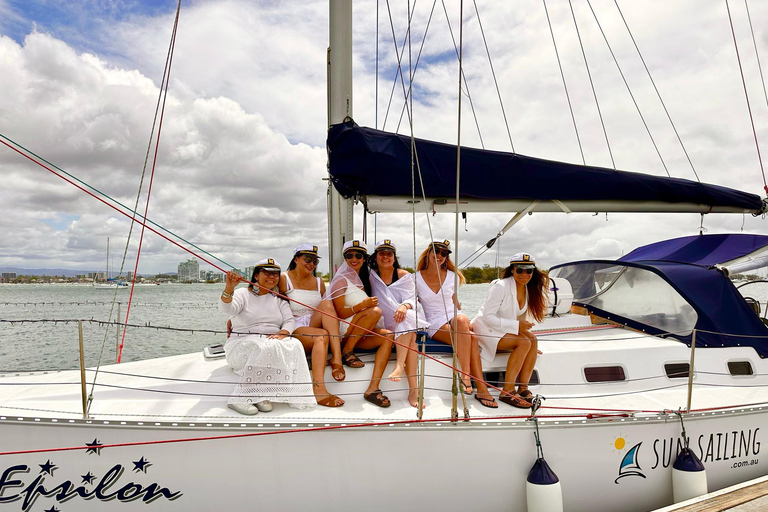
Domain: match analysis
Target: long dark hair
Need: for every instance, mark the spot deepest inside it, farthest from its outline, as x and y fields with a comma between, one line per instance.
x=365, y=277
x=253, y=280
x=374, y=264
x=292, y=265
x=538, y=291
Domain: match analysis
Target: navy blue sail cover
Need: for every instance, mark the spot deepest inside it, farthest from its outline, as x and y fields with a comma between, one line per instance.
x=364, y=161
x=700, y=249
x=724, y=317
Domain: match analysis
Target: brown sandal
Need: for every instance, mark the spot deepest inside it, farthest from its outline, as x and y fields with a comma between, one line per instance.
x=331, y=401
x=337, y=372
x=514, y=401
x=351, y=360
x=526, y=395
x=377, y=398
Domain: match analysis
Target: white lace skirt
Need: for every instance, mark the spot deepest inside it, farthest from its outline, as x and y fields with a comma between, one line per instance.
x=270, y=369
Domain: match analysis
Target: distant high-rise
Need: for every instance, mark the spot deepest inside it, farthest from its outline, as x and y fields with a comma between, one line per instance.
x=189, y=271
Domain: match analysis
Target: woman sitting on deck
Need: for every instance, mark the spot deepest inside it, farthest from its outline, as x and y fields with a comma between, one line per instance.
x=270, y=363
x=350, y=292
x=504, y=323
x=396, y=291
x=435, y=287
x=314, y=329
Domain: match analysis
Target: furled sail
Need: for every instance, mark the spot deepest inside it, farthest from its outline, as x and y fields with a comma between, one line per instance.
x=375, y=166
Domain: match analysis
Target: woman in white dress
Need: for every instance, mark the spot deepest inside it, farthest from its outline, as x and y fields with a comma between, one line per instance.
x=350, y=291
x=271, y=364
x=514, y=303
x=314, y=329
x=396, y=291
x=435, y=289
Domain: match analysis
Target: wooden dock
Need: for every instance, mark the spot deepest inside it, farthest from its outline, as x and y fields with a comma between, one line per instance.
x=749, y=496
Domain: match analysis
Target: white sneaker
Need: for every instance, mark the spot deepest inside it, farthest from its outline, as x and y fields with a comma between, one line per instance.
x=247, y=409
x=264, y=405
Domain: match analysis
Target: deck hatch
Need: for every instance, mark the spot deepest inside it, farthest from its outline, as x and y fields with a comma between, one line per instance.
x=740, y=368
x=676, y=370
x=604, y=374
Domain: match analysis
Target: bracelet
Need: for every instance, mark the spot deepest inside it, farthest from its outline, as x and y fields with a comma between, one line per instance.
x=226, y=295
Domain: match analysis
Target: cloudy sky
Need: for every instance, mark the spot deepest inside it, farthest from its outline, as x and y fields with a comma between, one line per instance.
x=242, y=156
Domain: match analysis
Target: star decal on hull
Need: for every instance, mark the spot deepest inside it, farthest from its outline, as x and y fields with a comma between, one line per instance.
x=49, y=467
x=141, y=465
x=88, y=478
x=94, y=447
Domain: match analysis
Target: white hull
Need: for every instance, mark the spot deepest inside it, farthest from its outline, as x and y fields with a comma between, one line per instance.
x=398, y=463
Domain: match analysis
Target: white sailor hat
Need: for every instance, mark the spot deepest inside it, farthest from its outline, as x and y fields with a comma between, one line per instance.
x=266, y=264
x=386, y=245
x=355, y=245
x=445, y=244
x=306, y=249
x=522, y=259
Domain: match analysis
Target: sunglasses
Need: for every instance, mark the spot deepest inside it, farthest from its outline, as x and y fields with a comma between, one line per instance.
x=270, y=273
x=442, y=252
x=386, y=253
x=354, y=254
x=311, y=259
x=519, y=270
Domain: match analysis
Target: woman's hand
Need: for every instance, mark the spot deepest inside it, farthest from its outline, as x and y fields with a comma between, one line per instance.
x=400, y=313
x=232, y=279
x=370, y=302
x=279, y=336
x=525, y=325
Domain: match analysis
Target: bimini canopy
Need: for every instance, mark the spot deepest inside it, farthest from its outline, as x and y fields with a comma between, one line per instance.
x=731, y=252
x=667, y=299
x=375, y=166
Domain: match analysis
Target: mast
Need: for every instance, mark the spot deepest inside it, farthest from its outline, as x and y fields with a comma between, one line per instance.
x=340, y=214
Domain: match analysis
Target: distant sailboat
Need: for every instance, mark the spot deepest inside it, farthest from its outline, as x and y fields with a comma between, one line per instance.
x=110, y=283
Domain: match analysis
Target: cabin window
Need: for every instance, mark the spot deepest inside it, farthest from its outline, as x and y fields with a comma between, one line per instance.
x=604, y=374
x=676, y=370
x=740, y=368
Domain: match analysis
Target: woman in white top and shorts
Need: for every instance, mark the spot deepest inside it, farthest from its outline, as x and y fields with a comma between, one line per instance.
x=503, y=323
x=314, y=329
x=270, y=363
x=350, y=291
x=435, y=289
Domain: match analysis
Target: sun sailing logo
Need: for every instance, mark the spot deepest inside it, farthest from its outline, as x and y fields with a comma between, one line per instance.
x=629, y=465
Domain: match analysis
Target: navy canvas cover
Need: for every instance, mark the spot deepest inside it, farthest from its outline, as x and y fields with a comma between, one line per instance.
x=364, y=161
x=700, y=249
x=724, y=318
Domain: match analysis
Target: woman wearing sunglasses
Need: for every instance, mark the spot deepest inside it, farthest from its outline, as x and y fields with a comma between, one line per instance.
x=505, y=320
x=350, y=291
x=435, y=287
x=396, y=291
x=314, y=329
x=270, y=363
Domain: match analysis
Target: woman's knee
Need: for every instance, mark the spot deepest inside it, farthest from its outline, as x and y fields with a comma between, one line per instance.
x=327, y=307
x=374, y=312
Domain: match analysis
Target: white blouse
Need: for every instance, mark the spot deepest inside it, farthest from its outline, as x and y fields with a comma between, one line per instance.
x=257, y=314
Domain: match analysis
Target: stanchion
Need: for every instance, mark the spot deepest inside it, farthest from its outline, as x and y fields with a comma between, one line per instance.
x=421, y=337
x=690, y=370
x=82, y=368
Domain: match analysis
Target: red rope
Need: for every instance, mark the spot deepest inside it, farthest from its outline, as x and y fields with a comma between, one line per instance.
x=151, y=180
x=746, y=95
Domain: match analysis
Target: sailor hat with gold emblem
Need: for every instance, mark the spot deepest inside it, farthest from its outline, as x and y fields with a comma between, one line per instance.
x=386, y=245
x=445, y=244
x=267, y=264
x=306, y=249
x=355, y=245
x=523, y=260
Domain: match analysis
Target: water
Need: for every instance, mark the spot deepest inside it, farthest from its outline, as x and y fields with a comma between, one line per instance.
x=46, y=346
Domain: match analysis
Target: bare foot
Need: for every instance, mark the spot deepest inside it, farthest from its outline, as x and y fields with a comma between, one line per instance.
x=397, y=372
x=413, y=398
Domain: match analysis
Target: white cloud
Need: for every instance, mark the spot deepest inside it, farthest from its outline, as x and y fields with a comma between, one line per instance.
x=242, y=151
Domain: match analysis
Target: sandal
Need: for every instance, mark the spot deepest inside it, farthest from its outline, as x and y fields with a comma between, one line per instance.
x=514, y=401
x=377, y=398
x=487, y=402
x=331, y=401
x=526, y=395
x=467, y=388
x=337, y=372
x=351, y=360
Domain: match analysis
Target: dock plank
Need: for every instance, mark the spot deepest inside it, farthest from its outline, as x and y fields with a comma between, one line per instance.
x=753, y=497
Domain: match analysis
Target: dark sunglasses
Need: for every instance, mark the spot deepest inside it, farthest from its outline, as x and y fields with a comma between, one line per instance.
x=270, y=273
x=311, y=259
x=354, y=254
x=519, y=270
x=442, y=252
x=386, y=253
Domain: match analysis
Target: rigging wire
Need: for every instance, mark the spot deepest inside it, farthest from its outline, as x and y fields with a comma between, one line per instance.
x=399, y=53
x=757, y=55
x=658, y=94
x=592, y=84
x=629, y=90
x=746, y=96
x=493, y=72
x=565, y=86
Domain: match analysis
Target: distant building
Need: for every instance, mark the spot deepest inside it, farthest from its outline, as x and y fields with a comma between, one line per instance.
x=129, y=276
x=249, y=272
x=8, y=276
x=80, y=276
x=189, y=271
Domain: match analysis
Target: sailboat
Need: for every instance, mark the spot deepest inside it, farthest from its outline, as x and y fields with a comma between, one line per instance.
x=109, y=283
x=618, y=373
